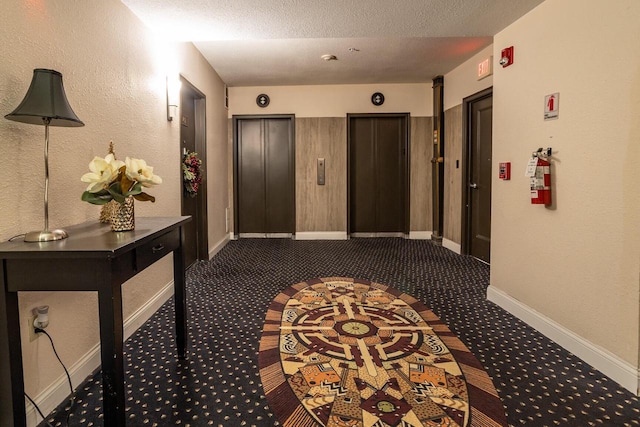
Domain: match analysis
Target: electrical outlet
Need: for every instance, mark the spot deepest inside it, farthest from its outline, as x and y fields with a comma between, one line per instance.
x=32, y=330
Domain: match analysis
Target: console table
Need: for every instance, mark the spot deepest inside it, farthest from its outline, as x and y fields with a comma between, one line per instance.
x=92, y=258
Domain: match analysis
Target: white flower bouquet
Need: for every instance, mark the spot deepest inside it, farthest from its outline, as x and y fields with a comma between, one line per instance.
x=112, y=179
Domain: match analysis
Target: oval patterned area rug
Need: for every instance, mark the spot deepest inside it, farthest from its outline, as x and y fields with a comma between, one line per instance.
x=347, y=352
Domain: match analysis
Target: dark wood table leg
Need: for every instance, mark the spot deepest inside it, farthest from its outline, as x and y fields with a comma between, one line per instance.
x=12, y=408
x=111, y=348
x=180, y=297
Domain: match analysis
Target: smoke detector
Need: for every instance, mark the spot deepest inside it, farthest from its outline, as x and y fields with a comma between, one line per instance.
x=329, y=57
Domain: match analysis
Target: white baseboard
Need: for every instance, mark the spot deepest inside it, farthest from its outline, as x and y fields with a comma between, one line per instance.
x=452, y=246
x=420, y=235
x=321, y=235
x=143, y=313
x=622, y=372
x=376, y=235
x=426, y=235
x=218, y=246
x=58, y=391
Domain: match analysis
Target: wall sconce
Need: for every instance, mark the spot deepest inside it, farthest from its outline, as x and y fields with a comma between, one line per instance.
x=173, y=95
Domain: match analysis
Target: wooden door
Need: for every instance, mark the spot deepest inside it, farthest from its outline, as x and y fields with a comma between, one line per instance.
x=264, y=152
x=378, y=175
x=192, y=137
x=478, y=192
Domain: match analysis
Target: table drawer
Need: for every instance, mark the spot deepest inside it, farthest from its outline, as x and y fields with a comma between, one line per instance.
x=150, y=252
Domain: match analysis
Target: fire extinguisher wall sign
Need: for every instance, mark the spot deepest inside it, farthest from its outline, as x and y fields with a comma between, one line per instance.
x=552, y=106
x=539, y=173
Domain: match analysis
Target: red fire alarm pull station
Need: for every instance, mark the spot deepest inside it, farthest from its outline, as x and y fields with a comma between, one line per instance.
x=507, y=57
x=505, y=171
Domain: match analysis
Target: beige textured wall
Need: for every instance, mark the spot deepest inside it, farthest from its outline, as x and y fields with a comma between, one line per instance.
x=421, y=202
x=114, y=74
x=333, y=100
x=577, y=262
x=321, y=207
x=463, y=81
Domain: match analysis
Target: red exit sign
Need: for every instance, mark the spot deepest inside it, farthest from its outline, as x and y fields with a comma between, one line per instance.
x=485, y=68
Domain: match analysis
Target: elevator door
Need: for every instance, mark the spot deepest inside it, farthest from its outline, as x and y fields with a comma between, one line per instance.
x=378, y=175
x=265, y=177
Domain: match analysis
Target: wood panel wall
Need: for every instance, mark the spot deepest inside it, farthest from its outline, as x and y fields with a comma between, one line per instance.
x=452, y=174
x=321, y=207
x=420, y=185
x=231, y=169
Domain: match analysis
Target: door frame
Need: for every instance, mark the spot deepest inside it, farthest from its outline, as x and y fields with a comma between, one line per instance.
x=407, y=164
x=292, y=161
x=200, y=124
x=466, y=156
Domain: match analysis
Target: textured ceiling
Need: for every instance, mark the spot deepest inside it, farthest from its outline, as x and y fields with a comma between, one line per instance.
x=267, y=42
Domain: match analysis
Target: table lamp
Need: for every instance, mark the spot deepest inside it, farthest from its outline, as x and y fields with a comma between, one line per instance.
x=45, y=104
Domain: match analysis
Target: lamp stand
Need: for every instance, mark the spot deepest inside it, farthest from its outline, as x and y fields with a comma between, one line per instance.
x=46, y=235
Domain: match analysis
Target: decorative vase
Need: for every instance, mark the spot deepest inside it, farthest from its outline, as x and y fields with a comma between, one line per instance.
x=107, y=211
x=122, y=216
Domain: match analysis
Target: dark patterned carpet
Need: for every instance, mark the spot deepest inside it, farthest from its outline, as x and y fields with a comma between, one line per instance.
x=540, y=383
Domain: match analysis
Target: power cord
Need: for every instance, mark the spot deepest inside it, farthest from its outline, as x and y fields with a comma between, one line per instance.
x=38, y=409
x=72, y=397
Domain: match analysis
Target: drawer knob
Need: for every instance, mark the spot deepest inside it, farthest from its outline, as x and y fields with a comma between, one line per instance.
x=157, y=248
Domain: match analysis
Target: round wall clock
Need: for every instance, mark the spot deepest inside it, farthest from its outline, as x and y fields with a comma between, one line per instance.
x=377, y=98
x=262, y=100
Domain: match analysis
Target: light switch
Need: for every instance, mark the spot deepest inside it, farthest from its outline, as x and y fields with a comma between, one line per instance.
x=320, y=171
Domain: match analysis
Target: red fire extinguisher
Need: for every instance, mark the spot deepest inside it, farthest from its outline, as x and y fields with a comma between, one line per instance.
x=541, y=183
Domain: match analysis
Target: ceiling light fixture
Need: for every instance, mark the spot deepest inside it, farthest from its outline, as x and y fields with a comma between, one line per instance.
x=328, y=57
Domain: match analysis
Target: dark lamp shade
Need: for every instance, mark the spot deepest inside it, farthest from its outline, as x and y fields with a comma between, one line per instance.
x=45, y=99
